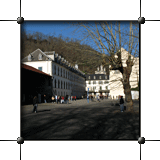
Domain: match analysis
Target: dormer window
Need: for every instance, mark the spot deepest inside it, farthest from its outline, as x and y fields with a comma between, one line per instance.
x=89, y=77
x=29, y=57
x=40, y=57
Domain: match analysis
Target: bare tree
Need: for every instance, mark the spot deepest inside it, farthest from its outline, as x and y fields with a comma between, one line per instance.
x=109, y=38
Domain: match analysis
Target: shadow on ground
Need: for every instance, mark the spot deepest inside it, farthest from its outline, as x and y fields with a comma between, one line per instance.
x=83, y=123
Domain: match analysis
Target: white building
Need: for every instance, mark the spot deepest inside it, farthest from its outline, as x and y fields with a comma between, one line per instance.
x=115, y=83
x=67, y=80
x=98, y=83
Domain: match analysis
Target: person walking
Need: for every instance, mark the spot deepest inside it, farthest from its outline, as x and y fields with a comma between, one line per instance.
x=56, y=99
x=45, y=99
x=87, y=98
x=52, y=99
x=121, y=104
x=98, y=98
x=75, y=98
x=66, y=99
x=35, y=104
x=60, y=98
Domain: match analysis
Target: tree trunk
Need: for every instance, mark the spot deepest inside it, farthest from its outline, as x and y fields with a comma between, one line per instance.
x=127, y=91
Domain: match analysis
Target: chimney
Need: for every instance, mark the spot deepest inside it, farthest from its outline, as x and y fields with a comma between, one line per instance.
x=53, y=55
x=56, y=55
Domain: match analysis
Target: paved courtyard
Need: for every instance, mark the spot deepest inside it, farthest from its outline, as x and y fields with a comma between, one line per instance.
x=80, y=120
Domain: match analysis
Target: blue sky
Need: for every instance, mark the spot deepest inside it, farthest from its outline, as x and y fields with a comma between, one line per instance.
x=57, y=28
x=49, y=28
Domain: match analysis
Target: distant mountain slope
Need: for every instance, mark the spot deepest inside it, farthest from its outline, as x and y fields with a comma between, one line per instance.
x=86, y=57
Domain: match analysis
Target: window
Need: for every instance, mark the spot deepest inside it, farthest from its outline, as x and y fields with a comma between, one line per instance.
x=58, y=71
x=89, y=77
x=64, y=73
x=54, y=69
x=61, y=72
x=61, y=85
x=89, y=82
x=100, y=82
x=58, y=84
x=105, y=82
x=55, y=83
x=40, y=57
x=106, y=87
x=94, y=77
x=40, y=68
x=94, y=82
x=105, y=77
x=29, y=57
x=100, y=87
x=100, y=77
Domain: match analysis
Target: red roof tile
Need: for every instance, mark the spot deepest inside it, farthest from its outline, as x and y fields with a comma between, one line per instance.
x=33, y=69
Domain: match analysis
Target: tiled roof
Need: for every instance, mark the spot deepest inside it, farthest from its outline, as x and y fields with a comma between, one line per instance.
x=33, y=69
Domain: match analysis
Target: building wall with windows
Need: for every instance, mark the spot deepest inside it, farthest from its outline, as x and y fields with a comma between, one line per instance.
x=98, y=83
x=67, y=79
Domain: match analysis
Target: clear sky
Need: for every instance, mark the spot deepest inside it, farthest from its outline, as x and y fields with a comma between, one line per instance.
x=57, y=28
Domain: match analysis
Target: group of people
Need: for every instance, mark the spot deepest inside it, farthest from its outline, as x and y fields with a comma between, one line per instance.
x=63, y=99
x=54, y=99
x=102, y=97
x=98, y=97
x=66, y=99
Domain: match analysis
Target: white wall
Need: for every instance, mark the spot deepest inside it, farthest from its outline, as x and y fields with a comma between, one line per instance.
x=135, y=94
x=46, y=66
x=115, y=84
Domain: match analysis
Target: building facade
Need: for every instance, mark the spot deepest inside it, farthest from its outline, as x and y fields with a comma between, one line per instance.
x=67, y=79
x=98, y=83
x=115, y=81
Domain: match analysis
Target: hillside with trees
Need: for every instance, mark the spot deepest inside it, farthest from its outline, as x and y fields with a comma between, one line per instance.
x=73, y=51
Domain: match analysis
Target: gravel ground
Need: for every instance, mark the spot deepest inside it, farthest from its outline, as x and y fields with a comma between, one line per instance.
x=80, y=120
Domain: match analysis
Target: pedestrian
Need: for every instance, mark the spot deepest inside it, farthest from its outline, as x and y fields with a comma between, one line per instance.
x=98, y=98
x=121, y=104
x=35, y=104
x=66, y=99
x=71, y=98
x=56, y=99
x=52, y=99
x=88, y=99
x=45, y=99
x=60, y=98
x=75, y=98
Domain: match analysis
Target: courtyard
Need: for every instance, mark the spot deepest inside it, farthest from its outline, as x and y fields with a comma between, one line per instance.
x=80, y=120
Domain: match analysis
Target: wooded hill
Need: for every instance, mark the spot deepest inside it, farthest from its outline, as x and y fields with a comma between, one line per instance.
x=73, y=51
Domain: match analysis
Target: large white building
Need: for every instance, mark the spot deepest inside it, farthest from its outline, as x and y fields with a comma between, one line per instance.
x=98, y=83
x=115, y=83
x=67, y=79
